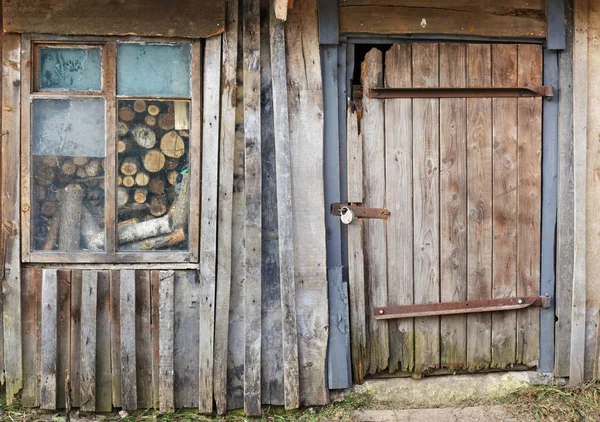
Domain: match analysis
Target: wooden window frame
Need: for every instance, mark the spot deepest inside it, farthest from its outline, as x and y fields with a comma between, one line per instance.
x=108, y=45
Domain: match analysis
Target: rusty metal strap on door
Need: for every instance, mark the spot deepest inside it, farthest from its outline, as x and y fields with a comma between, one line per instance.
x=465, y=307
x=496, y=92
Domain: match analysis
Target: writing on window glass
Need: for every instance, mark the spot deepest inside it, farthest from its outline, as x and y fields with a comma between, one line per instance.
x=70, y=69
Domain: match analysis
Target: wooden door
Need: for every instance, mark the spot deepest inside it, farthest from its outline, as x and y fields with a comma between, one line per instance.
x=461, y=178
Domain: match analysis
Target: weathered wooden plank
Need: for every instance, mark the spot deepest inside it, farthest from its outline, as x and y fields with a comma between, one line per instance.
x=48, y=352
x=11, y=244
x=190, y=19
x=372, y=130
x=565, y=224
x=115, y=336
x=284, y=215
x=479, y=205
x=356, y=270
x=75, y=347
x=143, y=339
x=280, y=8
x=154, y=297
x=463, y=17
x=252, y=134
x=208, y=221
x=187, y=334
x=529, y=132
x=30, y=318
x=128, y=354
x=305, y=109
x=453, y=204
x=103, y=345
x=271, y=311
x=504, y=247
x=225, y=211
x=89, y=303
x=166, y=303
x=398, y=199
x=63, y=335
x=426, y=205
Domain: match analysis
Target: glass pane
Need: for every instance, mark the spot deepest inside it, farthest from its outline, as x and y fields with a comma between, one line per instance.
x=153, y=196
x=151, y=69
x=70, y=69
x=67, y=172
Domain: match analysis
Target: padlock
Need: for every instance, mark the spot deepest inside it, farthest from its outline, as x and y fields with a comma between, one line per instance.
x=346, y=215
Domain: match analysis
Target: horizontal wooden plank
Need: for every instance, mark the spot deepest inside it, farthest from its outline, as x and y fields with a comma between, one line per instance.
x=462, y=17
x=190, y=19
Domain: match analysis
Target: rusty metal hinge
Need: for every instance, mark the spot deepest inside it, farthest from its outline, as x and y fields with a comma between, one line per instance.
x=348, y=212
x=495, y=92
x=465, y=307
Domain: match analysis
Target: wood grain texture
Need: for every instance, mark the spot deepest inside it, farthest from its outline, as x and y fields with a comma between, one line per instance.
x=155, y=326
x=89, y=302
x=356, y=270
x=186, y=337
x=63, y=335
x=305, y=108
x=75, y=346
x=208, y=219
x=103, y=345
x=143, y=339
x=463, y=17
x=144, y=18
x=128, y=344
x=529, y=132
x=479, y=205
x=253, y=190
x=166, y=304
x=31, y=316
x=504, y=248
x=115, y=336
x=48, y=352
x=453, y=204
x=426, y=205
x=11, y=298
x=225, y=211
x=372, y=130
x=284, y=213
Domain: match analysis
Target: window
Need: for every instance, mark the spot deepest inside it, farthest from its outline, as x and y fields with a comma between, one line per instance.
x=111, y=149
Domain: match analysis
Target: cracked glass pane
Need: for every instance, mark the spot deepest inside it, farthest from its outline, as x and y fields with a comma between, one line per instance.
x=70, y=69
x=153, y=70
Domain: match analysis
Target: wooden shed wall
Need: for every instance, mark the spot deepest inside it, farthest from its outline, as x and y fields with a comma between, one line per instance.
x=249, y=324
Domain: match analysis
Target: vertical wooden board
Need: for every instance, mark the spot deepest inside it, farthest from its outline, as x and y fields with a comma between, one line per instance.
x=11, y=243
x=208, y=219
x=63, y=335
x=30, y=316
x=372, y=130
x=271, y=335
x=504, y=248
x=143, y=339
x=398, y=199
x=128, y=339
x=75, y=349
x=187, y=330
x=453, y=204
x=284, y=211
x=235, y=339
x=529, y=202
x=305, y=111
x=89, y=304
x=253, y=183
x=115, y=336
x=166, y=304
x=479, y=205
x=48, y=350
x=155, y=326
x=426, y=205
x=225, y=211
x=103, y=345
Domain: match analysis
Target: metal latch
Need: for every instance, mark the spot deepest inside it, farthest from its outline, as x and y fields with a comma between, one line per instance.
x=465, y=307
x=347, y=213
